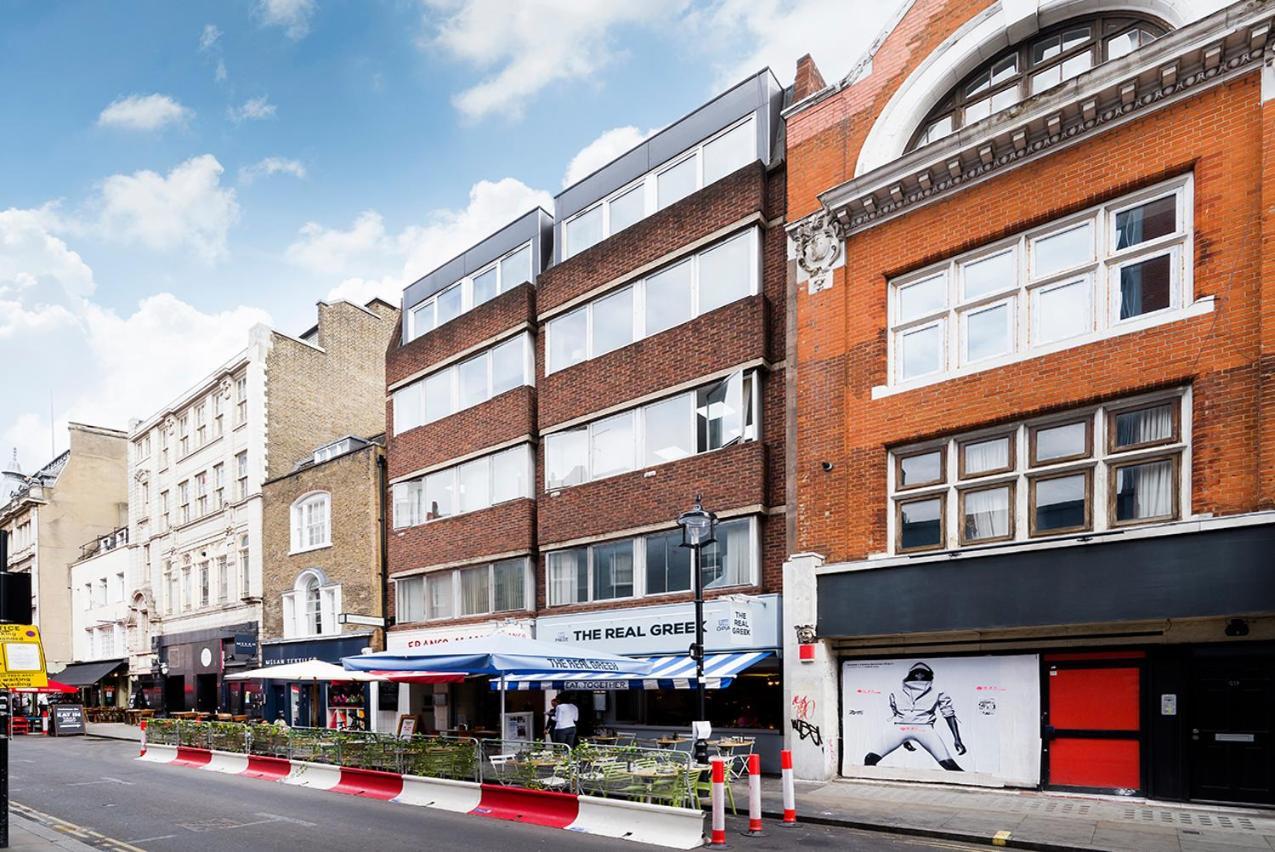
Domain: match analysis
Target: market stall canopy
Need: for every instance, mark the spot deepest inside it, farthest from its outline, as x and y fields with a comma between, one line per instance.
x=87, y=674
x=315, y=671
x=54, y=686
x=500, y=654
x=672, y=672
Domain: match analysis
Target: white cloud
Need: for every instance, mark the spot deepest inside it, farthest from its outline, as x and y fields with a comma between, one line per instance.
x=372, y=261
x=144, y=112
x=291, y=15
x=220, y=74
x=253, y=109
x=209, y=37
x=529, y=45
x=748, y=35
x=611, y=144
x=41, y=278
x=272, y=166
x=188, y=208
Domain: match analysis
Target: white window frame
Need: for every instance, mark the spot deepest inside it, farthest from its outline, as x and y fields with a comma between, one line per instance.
x=748, y=377
x=1101, y=272
x=528, y=590
x=649, y=181
x=467, y=291
x=296, y=621
x=639, y=566
x=1098, y=464
x=753, y=234
x=529, y=476
x=452, y=374
x=298, y=521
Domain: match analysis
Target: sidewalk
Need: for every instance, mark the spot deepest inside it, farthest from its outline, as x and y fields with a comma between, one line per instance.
x=27, y=835
x=1021, y=819
x=113, y=730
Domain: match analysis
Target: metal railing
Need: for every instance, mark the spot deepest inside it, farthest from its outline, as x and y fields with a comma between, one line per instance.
x=664, y=776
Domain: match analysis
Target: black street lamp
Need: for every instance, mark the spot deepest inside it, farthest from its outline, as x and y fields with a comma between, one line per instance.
x=698, y=529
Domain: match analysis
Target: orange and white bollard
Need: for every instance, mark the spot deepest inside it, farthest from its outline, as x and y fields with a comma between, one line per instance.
x=718, y=837
x=754, y=797
x=142, y=725
x=790, y=798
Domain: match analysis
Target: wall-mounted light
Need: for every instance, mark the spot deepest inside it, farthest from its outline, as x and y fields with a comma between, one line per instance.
x=1237, y=627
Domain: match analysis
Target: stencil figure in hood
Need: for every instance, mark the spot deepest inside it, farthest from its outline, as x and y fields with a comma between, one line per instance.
x=915, y=709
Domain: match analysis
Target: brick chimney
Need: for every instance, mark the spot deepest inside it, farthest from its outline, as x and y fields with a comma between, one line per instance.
x=809, y=80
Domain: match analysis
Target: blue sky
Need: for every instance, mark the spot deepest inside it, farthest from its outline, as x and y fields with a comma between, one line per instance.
x=174, y=172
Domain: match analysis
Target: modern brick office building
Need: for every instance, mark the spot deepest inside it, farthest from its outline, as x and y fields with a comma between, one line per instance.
x=1033, y=402
x=561, y=391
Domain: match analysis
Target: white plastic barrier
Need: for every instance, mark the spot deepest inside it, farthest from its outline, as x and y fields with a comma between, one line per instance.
x=661, y=825
x=228, y=762
x=458, y=796
x=159, y=753
x=319, y=776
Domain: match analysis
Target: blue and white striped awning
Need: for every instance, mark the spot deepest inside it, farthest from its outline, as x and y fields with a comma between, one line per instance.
x=673, y=672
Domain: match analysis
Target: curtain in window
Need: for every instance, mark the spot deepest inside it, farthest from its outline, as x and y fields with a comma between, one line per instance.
x=726, y=561
x=567, y=577
x=473, y=591
x=410, y=604
x=987, y=513
x=440, y=595
x=1145, y=491
x=1131, y=291
x=1144, y=426
x=986, y=455
x=508, y=582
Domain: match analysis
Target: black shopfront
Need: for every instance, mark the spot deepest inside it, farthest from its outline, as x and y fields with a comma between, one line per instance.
x=1156, y=653
x=319, y=705
x=193, y=666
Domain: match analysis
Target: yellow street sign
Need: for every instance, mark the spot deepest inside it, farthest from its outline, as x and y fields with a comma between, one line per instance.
x=22, y=661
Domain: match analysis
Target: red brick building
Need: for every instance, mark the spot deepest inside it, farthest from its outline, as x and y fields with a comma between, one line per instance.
x=1033, y=401
x=638, y=363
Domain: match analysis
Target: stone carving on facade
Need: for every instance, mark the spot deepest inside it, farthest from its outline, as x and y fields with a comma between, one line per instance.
x=820, y=247
x=805, y=633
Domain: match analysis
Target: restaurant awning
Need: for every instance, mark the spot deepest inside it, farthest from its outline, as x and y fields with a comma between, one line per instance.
x=87, y=674
x=671, y=672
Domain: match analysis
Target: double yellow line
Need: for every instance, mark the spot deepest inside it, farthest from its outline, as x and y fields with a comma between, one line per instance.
x=85, y=835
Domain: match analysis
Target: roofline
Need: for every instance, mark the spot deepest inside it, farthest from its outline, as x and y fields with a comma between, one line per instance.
x=473, y=246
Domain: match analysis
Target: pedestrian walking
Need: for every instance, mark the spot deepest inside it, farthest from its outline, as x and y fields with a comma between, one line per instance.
x=564, y=717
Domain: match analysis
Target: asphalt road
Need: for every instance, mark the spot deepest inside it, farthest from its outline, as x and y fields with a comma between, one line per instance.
x=121, y=804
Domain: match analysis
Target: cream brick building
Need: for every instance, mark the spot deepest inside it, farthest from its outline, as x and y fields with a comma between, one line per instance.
x=195, y=503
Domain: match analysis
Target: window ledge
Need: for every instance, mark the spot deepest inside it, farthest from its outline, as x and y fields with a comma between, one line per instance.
x=294, y=551
x=1200, y=307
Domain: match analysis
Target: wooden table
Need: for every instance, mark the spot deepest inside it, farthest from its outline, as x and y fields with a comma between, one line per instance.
x=648, y=775
x=729, y=743
x=669, y=742
x=603, y=740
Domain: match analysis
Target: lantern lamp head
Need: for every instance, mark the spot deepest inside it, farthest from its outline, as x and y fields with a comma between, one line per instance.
x=698, y=526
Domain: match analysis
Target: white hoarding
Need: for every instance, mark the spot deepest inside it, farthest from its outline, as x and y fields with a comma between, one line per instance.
x=969, y=720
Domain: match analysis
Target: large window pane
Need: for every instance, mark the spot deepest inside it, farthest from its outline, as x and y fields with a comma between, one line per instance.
x=1076, y=65
x=1146, y=221
x=566, y=458
x=1064, y=250
x=669, y=430
x=613, y=445
x=730, y=151
x=409, y=407
x=583, y=231
x=1145, y=491
x=1061, y=502
x=449, y=304
x=515, y=269
x=508, y=366
x=485, y=286
x=423, y=318
x=1143, y=426
x=568, y=576
x=986, y=514
x=989, y=275
x=612, y=570
x=475, y=594
x=440, y=494
x=728, y=561
x=675, y=183
x=725, y=273
x=567, y=336
x=628, y=208
x=668, y=298
x=1061, y=442
x=922, y=297
x=509, y=581
x=921, y=351
x=440, y=595
x=613, y=322
x=407, y=503
x=718, y=413
x=668, y=564
x=1146, y=286
x=921, y=524
x=920, y=469
x=987, y=332
x=438, y=396
x=510, y=472
x=475, y=485
x=410, y=605
x=1062, y=311
x=471, y=380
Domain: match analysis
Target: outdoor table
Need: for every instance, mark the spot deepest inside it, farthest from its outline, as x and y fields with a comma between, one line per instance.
x=648, y=775
x=604, y=740
x=669, y=742
x=727, y=742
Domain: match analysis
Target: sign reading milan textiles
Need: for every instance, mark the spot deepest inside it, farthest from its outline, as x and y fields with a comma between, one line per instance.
x=954, y=719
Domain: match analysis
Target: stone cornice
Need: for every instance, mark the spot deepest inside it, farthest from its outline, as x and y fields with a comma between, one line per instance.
x=1220, y=47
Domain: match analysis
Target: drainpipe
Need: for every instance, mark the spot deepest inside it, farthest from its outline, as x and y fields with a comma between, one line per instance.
x=383, y=522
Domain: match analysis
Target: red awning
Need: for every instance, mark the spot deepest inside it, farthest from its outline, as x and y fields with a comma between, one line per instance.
x=422, y=677
x=54, y=686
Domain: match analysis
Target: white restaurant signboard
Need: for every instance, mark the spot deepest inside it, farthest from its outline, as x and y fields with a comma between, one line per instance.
x=425, y=637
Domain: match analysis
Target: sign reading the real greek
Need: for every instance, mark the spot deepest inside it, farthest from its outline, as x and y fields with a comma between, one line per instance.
x=669, y=628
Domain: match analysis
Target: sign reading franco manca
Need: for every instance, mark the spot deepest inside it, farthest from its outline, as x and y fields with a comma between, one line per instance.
x=22, y=660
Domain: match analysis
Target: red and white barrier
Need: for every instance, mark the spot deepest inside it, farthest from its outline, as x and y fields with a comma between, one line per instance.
x=718, y=837
x=790, y=797
x=142, y=753
x=754, y=797
x=675, y=828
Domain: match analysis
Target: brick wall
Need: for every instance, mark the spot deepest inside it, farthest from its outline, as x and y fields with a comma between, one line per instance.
x=505, y=528
x=510, y=415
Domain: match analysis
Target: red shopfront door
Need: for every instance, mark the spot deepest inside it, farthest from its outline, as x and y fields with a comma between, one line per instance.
x=1093, y=731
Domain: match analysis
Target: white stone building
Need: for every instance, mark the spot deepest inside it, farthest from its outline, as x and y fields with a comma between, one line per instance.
x=99, y=619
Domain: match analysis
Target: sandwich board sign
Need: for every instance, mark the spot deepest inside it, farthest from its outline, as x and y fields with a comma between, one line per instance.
x=21, y=657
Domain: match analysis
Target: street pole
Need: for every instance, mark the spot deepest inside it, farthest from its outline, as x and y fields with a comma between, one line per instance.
x=701, y=745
